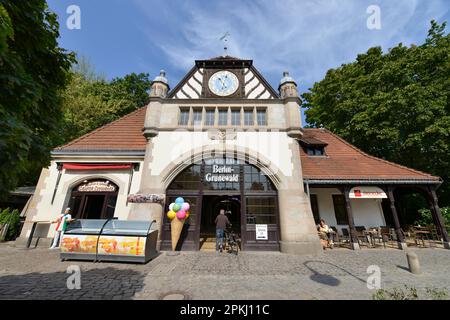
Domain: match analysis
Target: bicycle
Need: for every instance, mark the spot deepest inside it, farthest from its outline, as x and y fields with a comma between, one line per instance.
x=231, y=241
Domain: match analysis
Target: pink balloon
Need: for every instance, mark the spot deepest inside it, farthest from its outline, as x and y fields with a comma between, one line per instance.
x=181, y=214
x=185, y=206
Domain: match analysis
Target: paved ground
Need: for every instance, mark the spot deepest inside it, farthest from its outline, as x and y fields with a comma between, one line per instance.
x=337, y=274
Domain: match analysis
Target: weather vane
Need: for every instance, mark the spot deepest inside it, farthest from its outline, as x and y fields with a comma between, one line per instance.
x=224, y=38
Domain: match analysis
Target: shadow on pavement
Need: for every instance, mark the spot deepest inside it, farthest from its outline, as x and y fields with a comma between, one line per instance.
x=326, y=278
x=96, y=284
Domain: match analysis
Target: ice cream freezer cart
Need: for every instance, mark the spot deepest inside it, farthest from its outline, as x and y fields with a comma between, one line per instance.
x=110, y=240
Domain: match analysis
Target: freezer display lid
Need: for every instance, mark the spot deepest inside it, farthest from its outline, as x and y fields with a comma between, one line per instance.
x=85, y=226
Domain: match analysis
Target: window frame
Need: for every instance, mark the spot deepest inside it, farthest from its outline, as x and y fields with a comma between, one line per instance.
x=194, y=112
x=221, y=111
x=340, y=220
x=184, y=111
x=208, y=112
x=235, y=111
x=261, y=111
x=252, y=112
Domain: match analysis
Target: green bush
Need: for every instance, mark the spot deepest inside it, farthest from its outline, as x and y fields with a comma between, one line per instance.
x=410, y=293
x=13, y=219
x=427, y=219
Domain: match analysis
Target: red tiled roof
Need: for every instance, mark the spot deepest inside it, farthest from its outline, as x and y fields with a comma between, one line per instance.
x=122, y=134
x=343, y=161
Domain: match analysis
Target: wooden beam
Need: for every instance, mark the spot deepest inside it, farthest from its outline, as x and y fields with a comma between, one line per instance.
x=436, y=212
x=351, y=222
x=398, y=230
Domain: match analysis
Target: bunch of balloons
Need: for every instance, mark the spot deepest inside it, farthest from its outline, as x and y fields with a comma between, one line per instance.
x=179, y=209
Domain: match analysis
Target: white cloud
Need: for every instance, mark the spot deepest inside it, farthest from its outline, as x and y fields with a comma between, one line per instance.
x=304, y=37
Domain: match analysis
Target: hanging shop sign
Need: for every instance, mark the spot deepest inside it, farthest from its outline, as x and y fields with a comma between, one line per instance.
x=97, y=186
x=146, y=198
x=261, y=232
x=222, y=174
x=367, y=192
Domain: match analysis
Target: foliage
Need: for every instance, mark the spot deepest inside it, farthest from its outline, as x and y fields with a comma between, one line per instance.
x=396, y=294
x=410, y=293
x=12, y=218
x=89, y=101
x=33, y=69
x=392, y=105
x=437, y=294
x=426, y=217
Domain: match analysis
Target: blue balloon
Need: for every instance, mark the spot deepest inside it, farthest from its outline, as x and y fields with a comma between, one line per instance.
x=179, y=200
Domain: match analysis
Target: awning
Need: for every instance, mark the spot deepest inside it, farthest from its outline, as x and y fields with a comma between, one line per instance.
x=97, y=166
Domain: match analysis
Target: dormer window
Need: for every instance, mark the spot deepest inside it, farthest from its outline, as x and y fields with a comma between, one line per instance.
x=315, y=151
x=313, y=146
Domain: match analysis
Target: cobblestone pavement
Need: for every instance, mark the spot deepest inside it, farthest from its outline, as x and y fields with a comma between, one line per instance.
x=337, y=274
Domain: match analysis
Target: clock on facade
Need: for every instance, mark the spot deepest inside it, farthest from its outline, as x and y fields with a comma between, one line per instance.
x=223, y=83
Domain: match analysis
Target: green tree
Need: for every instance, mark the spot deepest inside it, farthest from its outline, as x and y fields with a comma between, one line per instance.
x=33, y=69
x=90, y=101
x=394, y=105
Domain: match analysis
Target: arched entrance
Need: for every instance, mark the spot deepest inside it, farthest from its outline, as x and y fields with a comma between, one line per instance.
x=234, y=185
x=94, y=199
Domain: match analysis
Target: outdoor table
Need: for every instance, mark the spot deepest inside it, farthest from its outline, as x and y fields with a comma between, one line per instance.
x=33, y=228
x=423, y=234
x=370, y=234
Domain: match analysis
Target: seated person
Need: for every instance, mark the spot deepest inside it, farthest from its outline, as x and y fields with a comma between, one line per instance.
x=325, y=233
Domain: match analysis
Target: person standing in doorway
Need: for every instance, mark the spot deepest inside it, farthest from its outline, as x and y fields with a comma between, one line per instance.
x=221, y=223
x=62, y=221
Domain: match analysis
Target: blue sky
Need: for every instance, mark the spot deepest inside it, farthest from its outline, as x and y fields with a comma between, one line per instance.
x=304, y=37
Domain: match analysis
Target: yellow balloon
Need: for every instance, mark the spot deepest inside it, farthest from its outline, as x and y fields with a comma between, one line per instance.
x=171, y=214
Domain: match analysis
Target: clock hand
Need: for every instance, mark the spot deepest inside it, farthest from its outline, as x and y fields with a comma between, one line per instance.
x=223, y=83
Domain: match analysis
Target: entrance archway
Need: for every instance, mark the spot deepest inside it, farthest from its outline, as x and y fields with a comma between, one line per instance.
x=94, y=199
x=229, y=183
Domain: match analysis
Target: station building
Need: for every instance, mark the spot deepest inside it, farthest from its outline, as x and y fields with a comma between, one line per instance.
x=224, y=138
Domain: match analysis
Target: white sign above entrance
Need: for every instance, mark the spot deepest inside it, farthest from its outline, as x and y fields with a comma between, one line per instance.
x=222, y=174
x=368, y=192
x=261, y=232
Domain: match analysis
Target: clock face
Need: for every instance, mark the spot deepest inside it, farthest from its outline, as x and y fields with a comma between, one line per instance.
x=223, y=83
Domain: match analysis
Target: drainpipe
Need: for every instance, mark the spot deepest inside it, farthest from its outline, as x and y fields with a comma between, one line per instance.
x=307, y=187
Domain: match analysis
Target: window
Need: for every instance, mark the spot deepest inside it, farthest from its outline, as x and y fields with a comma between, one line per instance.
x=340, y=211
x=315, y=151
x=223, y=117
x=261, y=117
x=248, y=117
x=261, y=210
x=255, y=180
x=315, y=208
x=236, y=117
x=189, y=179
x=197, y=117
x=184, y=117
x=210, y=113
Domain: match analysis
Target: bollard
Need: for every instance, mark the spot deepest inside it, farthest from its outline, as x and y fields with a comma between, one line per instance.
x=413, y=262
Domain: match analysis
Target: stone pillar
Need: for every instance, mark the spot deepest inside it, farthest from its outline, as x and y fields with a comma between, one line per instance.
x=398, y=230
x=151, y=184
x=297, y=228
x=436, y=212
x=289, y=93
x=351, y=222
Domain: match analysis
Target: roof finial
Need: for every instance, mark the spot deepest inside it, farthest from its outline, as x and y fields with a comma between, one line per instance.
x=225, y=40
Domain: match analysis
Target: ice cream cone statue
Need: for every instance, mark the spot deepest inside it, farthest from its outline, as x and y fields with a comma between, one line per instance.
x=178, y=213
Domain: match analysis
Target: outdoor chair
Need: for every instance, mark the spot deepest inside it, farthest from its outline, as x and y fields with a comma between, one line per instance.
x=362, y=236
x=375, y=235
x=422, y=234
x=386, y=235
x=345, y=237
x=335, y=235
